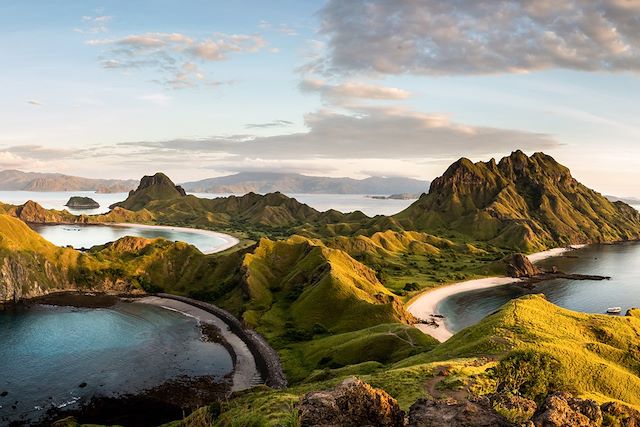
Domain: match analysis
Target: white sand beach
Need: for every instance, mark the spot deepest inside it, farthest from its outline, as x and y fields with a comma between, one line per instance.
x=426, y=304
x=539, y=256
x=229, y=240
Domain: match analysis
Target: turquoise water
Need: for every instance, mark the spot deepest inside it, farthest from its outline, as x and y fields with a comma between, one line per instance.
x=619, y=261
x=86, y=236
x=46, y=352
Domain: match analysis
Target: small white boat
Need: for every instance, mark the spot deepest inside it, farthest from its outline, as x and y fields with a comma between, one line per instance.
x=614, y=310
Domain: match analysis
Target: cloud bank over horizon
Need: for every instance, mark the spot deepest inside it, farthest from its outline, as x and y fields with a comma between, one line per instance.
x=357, y=88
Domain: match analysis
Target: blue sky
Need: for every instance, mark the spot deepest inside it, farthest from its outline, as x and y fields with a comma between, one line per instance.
x=206, y=88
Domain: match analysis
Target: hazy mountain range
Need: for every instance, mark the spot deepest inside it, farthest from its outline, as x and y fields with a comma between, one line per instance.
x=14, y=180
x=268, y=182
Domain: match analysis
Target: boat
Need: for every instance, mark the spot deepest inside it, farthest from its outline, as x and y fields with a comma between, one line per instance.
x=614, y=310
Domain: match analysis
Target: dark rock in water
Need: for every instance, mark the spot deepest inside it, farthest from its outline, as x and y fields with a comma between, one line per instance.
x=352, y=403
x=520, y=266
x=82, y=385
x=561, y=409
x=77, y=202
x=4, y=393
x=426, y=413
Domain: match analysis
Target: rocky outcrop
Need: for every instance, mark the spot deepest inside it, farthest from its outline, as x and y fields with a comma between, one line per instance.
x=427, y=413
x=624, y=415
x=518, y=265
x=562, y=409
x=352, y=403
x=34, y=213
x=77, y=202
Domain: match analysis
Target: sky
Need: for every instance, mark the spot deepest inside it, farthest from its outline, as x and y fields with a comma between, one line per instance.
x=196, y=89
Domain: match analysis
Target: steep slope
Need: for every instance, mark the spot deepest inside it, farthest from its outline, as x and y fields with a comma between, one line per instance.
x=596, y=355
x=526, y=203
x=14, y=180
x=156, y=187
x=297, y=285
x=269, y=182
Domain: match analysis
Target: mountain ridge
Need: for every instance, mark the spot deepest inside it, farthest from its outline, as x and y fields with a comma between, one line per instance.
x=269, y=182
x=16, y=180
x=529, y=203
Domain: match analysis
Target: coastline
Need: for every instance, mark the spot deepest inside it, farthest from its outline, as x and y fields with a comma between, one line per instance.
x=230, y=241
x=245, y=371
x=425, y=305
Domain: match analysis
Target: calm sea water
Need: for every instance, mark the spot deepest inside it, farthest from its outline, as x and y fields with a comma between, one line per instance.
x=619, y=261
x=322, y=202
x=341, y=202
x=47, y=352
x=86, y=236
x=58, y=199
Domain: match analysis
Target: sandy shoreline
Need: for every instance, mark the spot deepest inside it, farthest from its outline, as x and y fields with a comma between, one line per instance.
x=426, y=304
x=229, y=240
x=245, y=374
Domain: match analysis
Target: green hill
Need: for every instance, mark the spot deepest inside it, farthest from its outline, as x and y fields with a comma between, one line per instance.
x=521, y=202
x=156, y=187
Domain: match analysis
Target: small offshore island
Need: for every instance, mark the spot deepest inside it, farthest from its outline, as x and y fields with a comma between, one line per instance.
x=318, y=298
x=77, y=202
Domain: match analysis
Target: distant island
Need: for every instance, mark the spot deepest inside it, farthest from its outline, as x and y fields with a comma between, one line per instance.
x=627, y=200
x=14, y=180
x=77, y=202
x=292, y=183
x=401, y=196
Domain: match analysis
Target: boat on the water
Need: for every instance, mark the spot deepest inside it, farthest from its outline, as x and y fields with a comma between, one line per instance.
x=614, y=310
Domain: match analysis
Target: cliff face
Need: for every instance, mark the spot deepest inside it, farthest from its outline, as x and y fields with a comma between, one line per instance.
x=30, y=266
x=522, y=202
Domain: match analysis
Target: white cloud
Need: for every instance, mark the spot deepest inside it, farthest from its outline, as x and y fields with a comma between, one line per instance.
x=367, y=133
x=178, y=59
x=443, y=37
x=352, y=90
x=94, y=24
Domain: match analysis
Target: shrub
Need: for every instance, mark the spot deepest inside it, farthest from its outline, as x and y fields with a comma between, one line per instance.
x=530, y=374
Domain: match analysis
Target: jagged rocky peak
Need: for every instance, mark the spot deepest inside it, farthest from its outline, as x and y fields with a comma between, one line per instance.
x=151, y=188
x=159, y=179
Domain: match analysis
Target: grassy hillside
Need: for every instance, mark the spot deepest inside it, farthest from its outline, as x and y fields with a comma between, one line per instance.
x=527, y=203
x=529, y=347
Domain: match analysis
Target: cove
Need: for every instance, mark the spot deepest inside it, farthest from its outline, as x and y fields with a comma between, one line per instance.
x=85, y=236
x=60, y=357
x=619, y=261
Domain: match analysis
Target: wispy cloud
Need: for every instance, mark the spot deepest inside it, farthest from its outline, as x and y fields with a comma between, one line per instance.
x=367, y=133
x=94, y=24
x=346, y=91
x=273, y=124
x=444, y=37
x=176, y=58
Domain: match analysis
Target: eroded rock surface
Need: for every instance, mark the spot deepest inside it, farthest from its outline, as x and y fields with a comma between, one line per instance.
x=352, y=403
